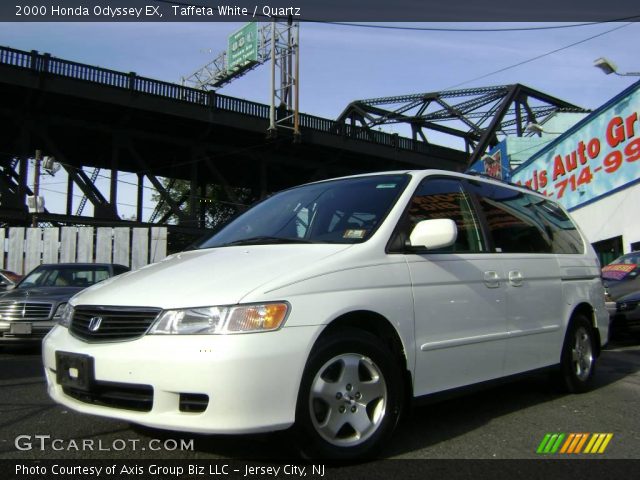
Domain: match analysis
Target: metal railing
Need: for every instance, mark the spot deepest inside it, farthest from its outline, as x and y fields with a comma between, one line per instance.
x=46, y=64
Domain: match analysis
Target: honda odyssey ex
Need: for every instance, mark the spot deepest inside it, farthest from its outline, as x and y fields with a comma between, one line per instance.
x=327, y=307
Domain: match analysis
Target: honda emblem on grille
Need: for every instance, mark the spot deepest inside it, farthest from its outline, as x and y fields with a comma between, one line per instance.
x=94, y=324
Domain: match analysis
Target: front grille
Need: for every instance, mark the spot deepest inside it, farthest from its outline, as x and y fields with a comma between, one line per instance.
x=116, y=395
x=28, y=311
x=117, y=323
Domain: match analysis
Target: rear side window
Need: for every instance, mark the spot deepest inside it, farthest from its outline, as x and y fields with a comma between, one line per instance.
x=524, y=223
x=565, y=237
x=446, y=198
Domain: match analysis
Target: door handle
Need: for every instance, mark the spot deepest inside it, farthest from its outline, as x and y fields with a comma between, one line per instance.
x=491, y=279
x=516, y=278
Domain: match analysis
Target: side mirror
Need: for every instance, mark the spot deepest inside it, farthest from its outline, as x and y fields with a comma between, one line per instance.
x=434, y=234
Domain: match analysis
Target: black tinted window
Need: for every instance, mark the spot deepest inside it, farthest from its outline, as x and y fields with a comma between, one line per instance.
x=445, y=198
x=525, y=223
x=565, y=237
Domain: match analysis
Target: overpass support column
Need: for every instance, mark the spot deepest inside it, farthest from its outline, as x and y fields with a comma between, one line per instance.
x=194, y=202
x=69, y=195
x=113, y=187
x=140, y=197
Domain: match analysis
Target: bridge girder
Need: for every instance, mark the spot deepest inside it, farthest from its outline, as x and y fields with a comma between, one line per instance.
x=491, y=113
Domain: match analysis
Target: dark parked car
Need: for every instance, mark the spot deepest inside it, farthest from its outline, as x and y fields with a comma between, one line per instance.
x=8, y=280
x=622, y=285
x=31, y=309
x=626, y=318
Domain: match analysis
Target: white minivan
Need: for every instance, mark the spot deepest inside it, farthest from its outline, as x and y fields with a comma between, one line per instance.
x=328, y=307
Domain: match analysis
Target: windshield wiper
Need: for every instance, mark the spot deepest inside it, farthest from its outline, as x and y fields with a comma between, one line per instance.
x=265, y=240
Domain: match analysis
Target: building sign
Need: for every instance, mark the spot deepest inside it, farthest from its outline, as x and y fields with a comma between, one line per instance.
x=242, y=48
x=495, y=164
x=599, y=155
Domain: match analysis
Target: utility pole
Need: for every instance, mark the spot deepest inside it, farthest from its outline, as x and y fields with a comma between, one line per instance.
x=285, y=45
x=36, y=188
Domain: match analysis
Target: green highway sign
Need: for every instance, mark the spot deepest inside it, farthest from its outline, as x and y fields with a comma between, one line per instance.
x=243, y=48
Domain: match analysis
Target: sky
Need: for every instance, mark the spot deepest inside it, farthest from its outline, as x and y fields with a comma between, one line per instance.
x=340, y=64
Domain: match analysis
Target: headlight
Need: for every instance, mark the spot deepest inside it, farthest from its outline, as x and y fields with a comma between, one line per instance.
x=221, y=320
x=63, y=314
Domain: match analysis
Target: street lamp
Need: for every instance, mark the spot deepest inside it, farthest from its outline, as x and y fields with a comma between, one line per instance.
x=608, y=67
x=538, y=129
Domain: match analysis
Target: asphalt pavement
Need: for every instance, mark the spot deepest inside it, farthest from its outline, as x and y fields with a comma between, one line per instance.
x=505, y=422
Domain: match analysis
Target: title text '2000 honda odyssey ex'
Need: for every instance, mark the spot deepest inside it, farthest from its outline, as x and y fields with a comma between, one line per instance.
x=326, y=306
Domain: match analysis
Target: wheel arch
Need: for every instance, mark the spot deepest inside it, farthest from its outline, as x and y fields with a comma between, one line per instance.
x=364, y=327
x=378, y=325
x=588, y=311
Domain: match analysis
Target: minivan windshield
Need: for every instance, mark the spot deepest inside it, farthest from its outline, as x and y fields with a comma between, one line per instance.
x=339, y=211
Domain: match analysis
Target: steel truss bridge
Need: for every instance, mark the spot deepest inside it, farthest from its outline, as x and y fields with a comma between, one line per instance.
x=92, y=117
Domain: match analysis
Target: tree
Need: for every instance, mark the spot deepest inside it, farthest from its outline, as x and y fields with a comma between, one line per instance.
x=218, y=209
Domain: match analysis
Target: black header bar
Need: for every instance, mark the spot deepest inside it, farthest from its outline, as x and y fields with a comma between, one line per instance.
x=318, y=10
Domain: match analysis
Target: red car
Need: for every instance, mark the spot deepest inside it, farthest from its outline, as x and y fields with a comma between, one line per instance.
x=8, y=279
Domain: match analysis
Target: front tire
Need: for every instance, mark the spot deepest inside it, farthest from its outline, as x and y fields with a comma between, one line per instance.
x=578, y=361
x=350, y=397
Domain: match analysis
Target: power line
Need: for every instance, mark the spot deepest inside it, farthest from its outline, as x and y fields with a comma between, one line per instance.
x=537, y=57
x=477, y=30
x=448, y=29
x=537, y=146
x=425, y=29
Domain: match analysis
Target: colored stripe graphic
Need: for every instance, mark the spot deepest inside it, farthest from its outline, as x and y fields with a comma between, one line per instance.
x=598, y=443
x=566, y=445
x=582, y=442
x=550, y=443
x=543, y=443
x=574, y=444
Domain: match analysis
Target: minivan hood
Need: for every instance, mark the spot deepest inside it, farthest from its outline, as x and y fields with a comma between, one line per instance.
x=198, y=278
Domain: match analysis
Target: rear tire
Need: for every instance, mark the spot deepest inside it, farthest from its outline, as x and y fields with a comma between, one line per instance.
x=350, y=397
x=578, y=360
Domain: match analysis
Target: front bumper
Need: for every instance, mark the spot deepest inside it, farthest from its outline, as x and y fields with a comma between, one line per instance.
x=611, y=308
x=626, y=319
x=251, y=380
x=14, y=333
